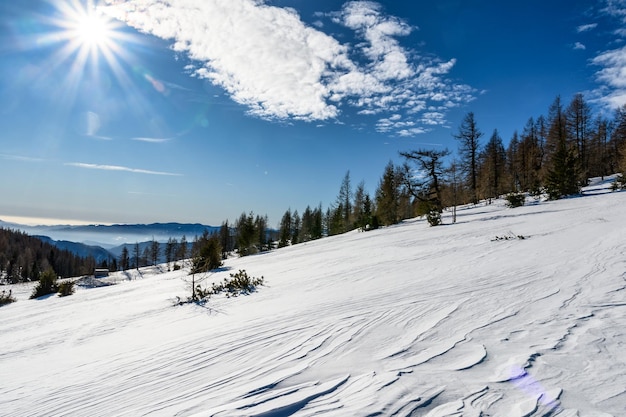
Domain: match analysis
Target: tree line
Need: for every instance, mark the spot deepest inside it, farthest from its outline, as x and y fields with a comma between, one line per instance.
x=24, y=258
x=553, y=154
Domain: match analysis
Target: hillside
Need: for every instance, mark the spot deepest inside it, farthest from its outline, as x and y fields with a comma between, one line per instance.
x=79, y=249
x=508, y=312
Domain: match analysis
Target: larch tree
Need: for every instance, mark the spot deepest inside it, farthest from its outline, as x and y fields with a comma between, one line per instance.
x=599, y=154
x=512, y=159
x=562, y=176
x=578, y=125
x=493, y=167
x=617, y=148
x=426, y=183
x=469, y=136
x=532, y=161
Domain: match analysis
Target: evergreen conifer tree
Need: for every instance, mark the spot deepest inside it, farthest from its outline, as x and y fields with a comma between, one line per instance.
x=296, y=225
x=246, y=234
x=47, y=284
x=285, y=229
x=562, y=176
x=124, y=259
x=225, y=239
x=208, y=254
x=388, y=195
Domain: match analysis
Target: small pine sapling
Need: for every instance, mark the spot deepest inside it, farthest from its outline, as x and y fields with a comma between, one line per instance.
x=515, y=199
x=6, y=297
x=66, y=288
x=47, y=284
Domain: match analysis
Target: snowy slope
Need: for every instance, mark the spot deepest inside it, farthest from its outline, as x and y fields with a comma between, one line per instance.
x=406, y=320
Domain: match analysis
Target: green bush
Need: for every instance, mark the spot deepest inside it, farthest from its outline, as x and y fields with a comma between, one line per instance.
x=434, y=217
x=6, y=298
x=515, y=199
x=47, y=284
x=238, y=284
x=66, y=288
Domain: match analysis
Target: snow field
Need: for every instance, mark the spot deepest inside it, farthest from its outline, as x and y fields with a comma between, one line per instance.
x=406, y=321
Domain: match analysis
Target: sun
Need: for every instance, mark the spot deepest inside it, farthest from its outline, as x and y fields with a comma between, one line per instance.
x=87, y=34
x=89, y=40
x=89, y=47
x=92, y=30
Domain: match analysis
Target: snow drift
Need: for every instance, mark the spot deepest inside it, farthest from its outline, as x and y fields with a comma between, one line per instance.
x=508, y=312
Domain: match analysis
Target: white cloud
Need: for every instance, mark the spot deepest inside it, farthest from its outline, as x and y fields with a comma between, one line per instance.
x=412, y=132
x=433, y=118
x=612, y=63
x=616, y=8
x=119, y=168
x=20, y=158
x=265, y=57
x=613, y=72
x=586, y=28
x=152, y=140
x=268, y=59
x=579, y=46
x=388, y=60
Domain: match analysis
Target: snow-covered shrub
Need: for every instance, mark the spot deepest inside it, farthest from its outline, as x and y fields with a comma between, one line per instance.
x=66, y=288
x=619, y=183
x=6, y=298
x=434, y=217
x=239, y=283
x=515, y=199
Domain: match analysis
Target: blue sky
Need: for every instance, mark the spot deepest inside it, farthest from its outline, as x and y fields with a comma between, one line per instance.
x=198, y=110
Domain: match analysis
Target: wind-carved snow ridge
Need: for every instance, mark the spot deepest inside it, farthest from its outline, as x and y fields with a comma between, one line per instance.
x=409, y=320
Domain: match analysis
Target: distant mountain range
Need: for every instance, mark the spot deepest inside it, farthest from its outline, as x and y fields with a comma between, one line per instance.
x=97, y=252
x=104, y=241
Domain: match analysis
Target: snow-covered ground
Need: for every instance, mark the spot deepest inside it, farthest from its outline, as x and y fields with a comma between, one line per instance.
x=459, y=320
